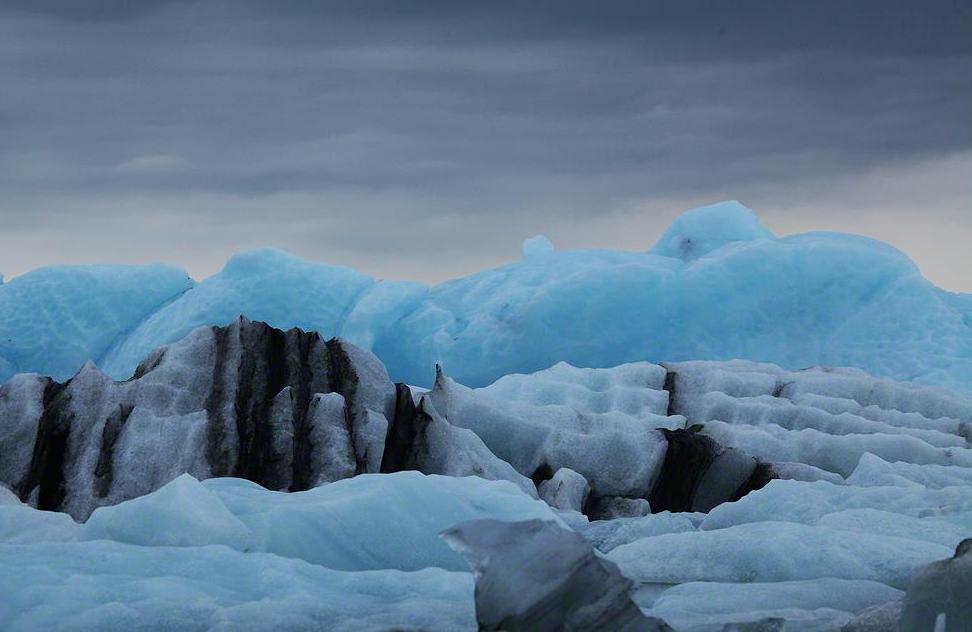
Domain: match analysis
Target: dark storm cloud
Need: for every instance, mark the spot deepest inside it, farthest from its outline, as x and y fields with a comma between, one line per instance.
x=409, y=112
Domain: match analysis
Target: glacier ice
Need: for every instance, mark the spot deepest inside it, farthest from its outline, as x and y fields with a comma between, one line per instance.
x=535, y=576
x=873, y=471
x=717, y=286
x=373, y=521
x=55, y=319
x=566, y=490
x=537, y=246
x=369, y=522
x=180, y=513
x=701, y=231
x=617, y=453
x=228, y=554
x=109, y=586
x=774, y=551
x=815, y=604
x=807, y=502
x=287, y=410
x=782, y=499
x=942, y=591
x=606, y=535
x=266, y=285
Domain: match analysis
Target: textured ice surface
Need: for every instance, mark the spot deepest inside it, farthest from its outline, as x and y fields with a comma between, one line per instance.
x=106, y=585
x=442, y=448
x=181, y=513
x=773, y=552
x=825, y=418
x=873, y=471
x=22, y=524
x=716, y=286
x=806, y=503
x=610, y=534
x=369, y=522
x=53, y=320
x=816, y=604
x=227, y=554
x=599, y=423
x=700, y=231
x=814, y=551
x=565, y=490
x=373, y=521
x=287, y=410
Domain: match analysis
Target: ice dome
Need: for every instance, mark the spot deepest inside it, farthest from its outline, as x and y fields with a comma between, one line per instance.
x=700, y=231
x=536, y=246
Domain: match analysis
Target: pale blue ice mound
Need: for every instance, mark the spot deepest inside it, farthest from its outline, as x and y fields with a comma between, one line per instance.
x=717, y=286
x=537, y=246
x=701, y=231
x=267, y=285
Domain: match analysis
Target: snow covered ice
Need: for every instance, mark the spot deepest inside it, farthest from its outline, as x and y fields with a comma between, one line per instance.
x=730, y=429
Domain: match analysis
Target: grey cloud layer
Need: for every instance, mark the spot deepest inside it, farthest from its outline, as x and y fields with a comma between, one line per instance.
x=432, y=114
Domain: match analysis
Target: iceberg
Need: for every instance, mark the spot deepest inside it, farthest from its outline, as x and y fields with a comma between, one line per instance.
x=53, y=320
x=534, y=576
x=287, y=410
x=717, y=286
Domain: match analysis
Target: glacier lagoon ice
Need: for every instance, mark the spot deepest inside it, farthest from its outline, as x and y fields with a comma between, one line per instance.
x=717, y=285
x=226, y=554
x=55, y=319
x=827, y=541
x=801, y=499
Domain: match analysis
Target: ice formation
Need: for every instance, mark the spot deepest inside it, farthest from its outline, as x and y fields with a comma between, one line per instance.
x=251, y=559
x=941, y=592
x=535, y=576
x=250, y=477
x=287, y=410
x=716, y=286
x=53, y=320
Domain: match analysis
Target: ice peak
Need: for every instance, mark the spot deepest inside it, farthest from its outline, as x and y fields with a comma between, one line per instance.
x=702, y=230
x=536, y=246
x=257, y=261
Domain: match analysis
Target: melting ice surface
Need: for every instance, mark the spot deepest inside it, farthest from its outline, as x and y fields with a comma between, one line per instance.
x=717, y=285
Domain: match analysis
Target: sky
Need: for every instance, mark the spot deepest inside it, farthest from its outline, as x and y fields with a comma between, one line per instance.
x=425, y=140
